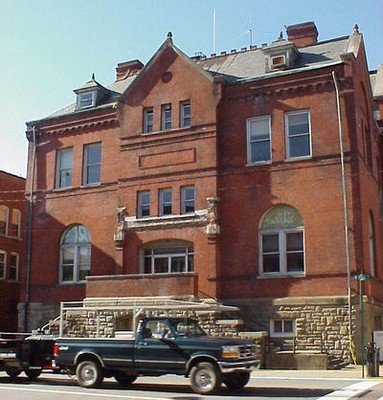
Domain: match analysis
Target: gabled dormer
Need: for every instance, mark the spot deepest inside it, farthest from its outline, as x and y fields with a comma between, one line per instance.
x=280, y=55
x=90, y=95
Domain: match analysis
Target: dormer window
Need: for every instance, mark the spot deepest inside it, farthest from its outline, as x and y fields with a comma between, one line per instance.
x=91, y=94
x=281, y=54
x=85, y=100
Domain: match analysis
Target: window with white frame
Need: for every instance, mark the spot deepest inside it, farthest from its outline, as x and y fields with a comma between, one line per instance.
x=185, y=117
x=187, y=199
x=85, y=100
x=258, y=140
x=3, y=263
x=281, y=239
x=92, y=164
x=75, y=253
x=166, y=257
x=298, y=134
x=14, y=227
x=166, y=117
x=165, y=202
x=13, y=267
x=64, y=167
x=282, y=328
x=148, y=119
x=4, y=219
x=143, y=204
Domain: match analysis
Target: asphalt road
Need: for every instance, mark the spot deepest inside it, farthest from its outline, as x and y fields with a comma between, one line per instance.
x=62, y=387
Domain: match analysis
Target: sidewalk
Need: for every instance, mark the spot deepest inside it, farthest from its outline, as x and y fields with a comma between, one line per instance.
x=349, y=372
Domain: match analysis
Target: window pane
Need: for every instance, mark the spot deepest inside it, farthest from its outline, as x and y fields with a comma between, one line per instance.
x=259, y=139
x=271, y=263
x=67, y=273
x=295, y=262
x=166, y=117
x=68, y=255
x=298, y=124
x=161, y=265
x=288, y=326
x=84, y=255
x=188, y=199
x=83, y=234
x=300, y=146
x=64, y=168
x=278, y=328
x=185, y=114
x=143, y=204
x=270, y=243
x=166, y=202
x=92, y=163
x=148, y=120
x=259, y=129
x=178, y=264
x=260, y=151
x=294, y=241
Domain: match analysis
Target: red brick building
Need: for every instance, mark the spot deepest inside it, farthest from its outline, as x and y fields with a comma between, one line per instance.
x=12, y=247
x=252, y=177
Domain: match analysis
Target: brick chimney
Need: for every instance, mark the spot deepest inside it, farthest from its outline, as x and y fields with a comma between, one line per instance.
x=305, y=34
x=128, y=68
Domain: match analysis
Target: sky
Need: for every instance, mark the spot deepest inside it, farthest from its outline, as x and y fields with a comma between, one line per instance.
x=48, y=48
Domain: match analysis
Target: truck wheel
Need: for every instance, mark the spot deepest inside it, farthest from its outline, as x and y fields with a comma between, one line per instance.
x=33, y=374
x=205, y=378
x=13, y=372
x=89, y=374
x=124, y=379
x=236, y=380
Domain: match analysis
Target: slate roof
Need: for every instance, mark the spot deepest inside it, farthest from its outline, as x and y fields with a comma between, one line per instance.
x=376, y=78
x=242, y=66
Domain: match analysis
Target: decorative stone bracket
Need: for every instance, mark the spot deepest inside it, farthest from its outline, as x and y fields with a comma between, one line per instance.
x=119, y=234
x=212, y=228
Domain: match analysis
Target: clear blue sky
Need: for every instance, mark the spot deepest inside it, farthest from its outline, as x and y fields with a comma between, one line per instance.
x=50, y=47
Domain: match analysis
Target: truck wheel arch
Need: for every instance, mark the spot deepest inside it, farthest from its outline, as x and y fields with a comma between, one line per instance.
x=199, y=359
x=88, y=356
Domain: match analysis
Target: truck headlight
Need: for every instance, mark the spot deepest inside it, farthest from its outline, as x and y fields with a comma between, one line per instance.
x=230, y=352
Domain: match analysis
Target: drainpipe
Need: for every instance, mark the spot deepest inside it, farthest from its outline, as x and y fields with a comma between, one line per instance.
x=29, y=228
x=345, y=206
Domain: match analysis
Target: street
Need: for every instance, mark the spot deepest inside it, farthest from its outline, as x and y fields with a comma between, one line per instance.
x=62, y=387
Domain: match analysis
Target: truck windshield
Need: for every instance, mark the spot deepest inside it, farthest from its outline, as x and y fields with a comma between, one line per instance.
x=188, y=327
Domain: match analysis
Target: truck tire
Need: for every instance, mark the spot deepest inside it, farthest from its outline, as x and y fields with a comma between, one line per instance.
x=13, y=372
x=205, y=378
x=32, y=374
x=124, y=379
x=236, y=380
x=89, y=374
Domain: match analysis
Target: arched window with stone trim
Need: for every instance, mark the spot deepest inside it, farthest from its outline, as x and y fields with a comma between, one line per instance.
x=4, y=220
x=75, y=252
x=167, y=257
x=281, y=240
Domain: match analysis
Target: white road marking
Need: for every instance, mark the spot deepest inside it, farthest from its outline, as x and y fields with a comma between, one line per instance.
x=350, y=391
x=114, y=396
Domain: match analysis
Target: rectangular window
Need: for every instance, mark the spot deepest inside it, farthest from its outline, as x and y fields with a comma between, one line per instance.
x=143, y=204
x=166, y=117
x=4, y=215
x=85, y=100
x=258, y=140
x=148, y=120
x=187, y=199
x=3, y=262
x=282, y=328
x=283, y=252
x=13, y=267
x=14, y=227
x=92, y=164
x=298, y=136
x=64, y=168
x=165, y=205
x=185, y=117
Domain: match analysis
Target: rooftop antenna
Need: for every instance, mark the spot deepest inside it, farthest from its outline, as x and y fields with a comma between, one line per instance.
x=250, y=32
x=214, y=26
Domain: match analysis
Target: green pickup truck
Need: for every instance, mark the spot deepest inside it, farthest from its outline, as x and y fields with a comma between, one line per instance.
x=160, y=346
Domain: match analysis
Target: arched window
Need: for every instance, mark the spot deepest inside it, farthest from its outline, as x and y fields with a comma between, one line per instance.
x=13, y=267
x=14, y=227
x=75, y=251
x=371, y=244
x=167, y=256
x=4, y=216
x=281, y=238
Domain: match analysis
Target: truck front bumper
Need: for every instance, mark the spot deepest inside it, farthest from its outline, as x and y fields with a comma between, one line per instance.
x=227, y=367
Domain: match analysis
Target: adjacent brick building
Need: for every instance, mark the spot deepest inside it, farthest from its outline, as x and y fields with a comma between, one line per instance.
x=12, y=247
x=234, y=176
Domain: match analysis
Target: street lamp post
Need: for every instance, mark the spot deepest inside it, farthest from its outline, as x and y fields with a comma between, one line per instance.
x=361, y=278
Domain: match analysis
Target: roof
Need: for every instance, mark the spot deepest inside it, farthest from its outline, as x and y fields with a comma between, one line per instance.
x=236, y=67
x=376, y=78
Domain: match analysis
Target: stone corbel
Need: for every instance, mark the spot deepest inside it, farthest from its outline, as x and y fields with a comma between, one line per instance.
x=119, y=234
x=212, y=227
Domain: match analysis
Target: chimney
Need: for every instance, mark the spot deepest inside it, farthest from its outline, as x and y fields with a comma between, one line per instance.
x=128, y=68
x=305, y=34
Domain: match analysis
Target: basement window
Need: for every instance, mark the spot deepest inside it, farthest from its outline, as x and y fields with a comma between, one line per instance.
x=282, y=328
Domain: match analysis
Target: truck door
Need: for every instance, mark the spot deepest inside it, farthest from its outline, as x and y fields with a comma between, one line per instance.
x=156, y=350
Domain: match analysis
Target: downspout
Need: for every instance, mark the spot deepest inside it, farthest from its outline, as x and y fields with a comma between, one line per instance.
x=345, y=208
x=29, y=229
